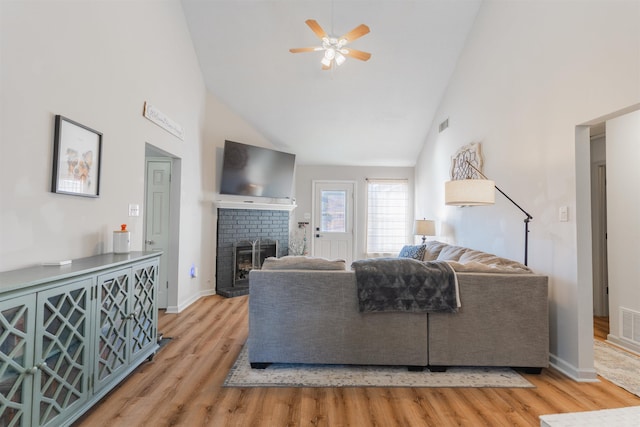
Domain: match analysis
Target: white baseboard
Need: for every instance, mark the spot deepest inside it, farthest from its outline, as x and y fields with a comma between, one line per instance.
x=624, y=343
x=173, y=309
x=579, y=375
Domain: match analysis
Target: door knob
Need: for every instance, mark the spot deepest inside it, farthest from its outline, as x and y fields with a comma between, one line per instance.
x=317, y=235
x=150, y=242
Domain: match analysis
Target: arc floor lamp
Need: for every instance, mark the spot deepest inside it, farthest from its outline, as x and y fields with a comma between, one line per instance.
x=477, y=192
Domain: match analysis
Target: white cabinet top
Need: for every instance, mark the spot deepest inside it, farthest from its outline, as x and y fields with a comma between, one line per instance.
x=24, y=278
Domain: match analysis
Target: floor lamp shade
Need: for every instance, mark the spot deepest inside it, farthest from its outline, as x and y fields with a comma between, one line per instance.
x=469, y=192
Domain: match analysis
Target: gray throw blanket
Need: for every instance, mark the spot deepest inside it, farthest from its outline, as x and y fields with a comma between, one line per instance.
x=405, y=284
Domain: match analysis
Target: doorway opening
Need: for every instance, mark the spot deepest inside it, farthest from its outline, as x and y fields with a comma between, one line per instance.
x=588, y=226
x=599, y=229
x=162, y=220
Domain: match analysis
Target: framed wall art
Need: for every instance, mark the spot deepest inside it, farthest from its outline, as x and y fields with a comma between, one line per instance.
x=77, y=152
x=470, y=153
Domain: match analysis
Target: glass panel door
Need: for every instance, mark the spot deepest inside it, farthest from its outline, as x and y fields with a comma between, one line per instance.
x=113, y=326
x=333, y=220
x=144, y=321
x=17, y=323
x=61, y=380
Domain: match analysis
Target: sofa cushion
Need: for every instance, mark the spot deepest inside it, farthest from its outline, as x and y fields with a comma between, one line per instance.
x=478, y=267
x=451, y=253
x=478, y=261
x=290, y=262
x=412, y=251
x=473, y=255
x=473, y=261
x=432, y=249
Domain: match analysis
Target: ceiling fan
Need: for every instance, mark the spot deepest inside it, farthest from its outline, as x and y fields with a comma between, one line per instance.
x=334, y=48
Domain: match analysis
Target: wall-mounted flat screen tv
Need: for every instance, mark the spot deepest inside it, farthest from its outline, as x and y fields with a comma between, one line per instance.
x=248, y=170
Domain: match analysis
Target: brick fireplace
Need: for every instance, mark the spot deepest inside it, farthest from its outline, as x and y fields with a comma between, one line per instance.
x=252, y=230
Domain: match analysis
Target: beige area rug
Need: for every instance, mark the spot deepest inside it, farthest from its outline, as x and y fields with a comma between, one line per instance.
x=621, y=417
x=298, y=375
x=618, y=366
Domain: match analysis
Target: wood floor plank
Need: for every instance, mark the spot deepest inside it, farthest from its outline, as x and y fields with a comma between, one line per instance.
x=600, y=327
x=183, y=386
x=423, y=412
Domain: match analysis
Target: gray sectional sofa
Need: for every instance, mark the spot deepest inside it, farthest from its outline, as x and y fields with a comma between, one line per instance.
x=305, y=310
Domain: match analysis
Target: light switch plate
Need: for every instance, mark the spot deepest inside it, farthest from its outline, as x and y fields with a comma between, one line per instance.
x=564, y=213
x=134, y=210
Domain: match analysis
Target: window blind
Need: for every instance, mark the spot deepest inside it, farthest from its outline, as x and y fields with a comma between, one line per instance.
x=387, y=205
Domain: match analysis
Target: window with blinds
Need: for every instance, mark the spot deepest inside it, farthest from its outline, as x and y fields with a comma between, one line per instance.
x=387, y=213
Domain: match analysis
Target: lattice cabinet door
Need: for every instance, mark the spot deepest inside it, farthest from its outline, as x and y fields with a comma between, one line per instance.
x=61, y=383
x=17, y=325
x=113, y=331
x=144, y=321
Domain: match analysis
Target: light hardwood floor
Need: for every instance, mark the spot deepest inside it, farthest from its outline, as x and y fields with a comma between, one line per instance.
x=600, y=328
x=183, y=386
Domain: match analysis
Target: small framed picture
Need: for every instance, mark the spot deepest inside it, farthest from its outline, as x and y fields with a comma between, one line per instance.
x=77, y=152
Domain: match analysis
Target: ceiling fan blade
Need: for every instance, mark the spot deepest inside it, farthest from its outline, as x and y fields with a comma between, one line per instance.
x=357, y=54
x=304, y=49
x=316, y=28
x=356, y=33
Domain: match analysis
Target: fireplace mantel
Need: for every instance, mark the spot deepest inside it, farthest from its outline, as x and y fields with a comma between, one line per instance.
x=229, y=204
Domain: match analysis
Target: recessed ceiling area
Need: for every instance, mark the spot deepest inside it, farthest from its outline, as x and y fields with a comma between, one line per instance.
x=373, y=113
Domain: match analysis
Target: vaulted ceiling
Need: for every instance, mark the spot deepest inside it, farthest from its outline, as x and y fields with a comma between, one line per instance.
x=362, y=113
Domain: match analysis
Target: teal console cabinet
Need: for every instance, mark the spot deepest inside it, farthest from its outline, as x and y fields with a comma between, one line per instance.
x=69, y=334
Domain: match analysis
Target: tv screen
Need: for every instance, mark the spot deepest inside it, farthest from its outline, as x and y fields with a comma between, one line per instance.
x=248, y=170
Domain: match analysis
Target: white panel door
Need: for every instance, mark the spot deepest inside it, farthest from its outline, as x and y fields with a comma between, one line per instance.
x=333, y=217
x=157, y=219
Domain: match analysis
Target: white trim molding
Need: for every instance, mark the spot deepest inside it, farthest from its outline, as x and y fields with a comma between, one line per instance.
x=579, y=375
x=228, y=204
x=173, y=309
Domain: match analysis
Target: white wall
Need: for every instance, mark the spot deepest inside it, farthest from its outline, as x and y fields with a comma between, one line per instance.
x=623, y=218
x=530, y=72
x=306, y=174
x=221, y=124
x=97, y=63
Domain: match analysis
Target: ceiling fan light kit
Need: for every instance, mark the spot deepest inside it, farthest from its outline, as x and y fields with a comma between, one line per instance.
x=334, y=51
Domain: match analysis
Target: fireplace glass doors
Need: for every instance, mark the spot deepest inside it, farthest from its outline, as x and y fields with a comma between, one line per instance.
x=249, y=255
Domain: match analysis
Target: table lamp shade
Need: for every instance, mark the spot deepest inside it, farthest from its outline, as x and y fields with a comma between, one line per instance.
x=424, y=227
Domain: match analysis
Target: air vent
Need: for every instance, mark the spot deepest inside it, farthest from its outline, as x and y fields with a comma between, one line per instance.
x=630, y=325
x=444, y=125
